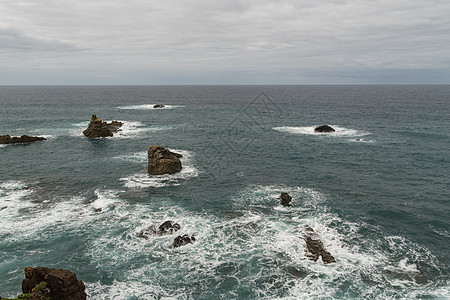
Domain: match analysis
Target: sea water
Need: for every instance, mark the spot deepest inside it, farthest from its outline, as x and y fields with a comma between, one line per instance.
x=376, y=190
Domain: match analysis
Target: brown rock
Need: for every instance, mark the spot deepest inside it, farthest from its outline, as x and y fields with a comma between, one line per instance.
x=159, y=106
x=315, y=247
x=97, y=128
x=324, y=128
x=162, y=161
x=62, y=284
x=7, y=139
x=285, y=199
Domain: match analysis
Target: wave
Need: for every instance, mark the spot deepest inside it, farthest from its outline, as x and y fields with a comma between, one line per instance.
x=309, y=130
x=149, y=106
x=129, y=129
x=144, y=180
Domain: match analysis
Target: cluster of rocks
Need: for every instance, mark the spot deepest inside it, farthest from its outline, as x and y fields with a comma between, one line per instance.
x=48, y=283
x=167, y=228
x=97, y=128
x=7, y=139
x=313, y=244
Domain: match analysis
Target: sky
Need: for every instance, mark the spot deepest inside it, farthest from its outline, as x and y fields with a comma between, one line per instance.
x=224, y=42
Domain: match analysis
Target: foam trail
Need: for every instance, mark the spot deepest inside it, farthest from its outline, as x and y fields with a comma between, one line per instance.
x=309, y=130
x=149, y=106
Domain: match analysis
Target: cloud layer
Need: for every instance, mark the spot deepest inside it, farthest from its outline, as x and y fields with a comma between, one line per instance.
x=227, y=42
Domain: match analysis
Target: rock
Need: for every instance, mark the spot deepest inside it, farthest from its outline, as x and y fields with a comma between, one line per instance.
x=3, y=207
x=285, y=199
x=62, y=284
x=183, y=240
x=98, y=210
x=159, y=106
x=324, y=128
x=162, y=161
x=315, y=247
x=97, y=128
x=168, y=227
x=7, y=139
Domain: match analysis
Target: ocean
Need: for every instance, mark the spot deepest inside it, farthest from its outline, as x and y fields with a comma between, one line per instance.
x=376, y=191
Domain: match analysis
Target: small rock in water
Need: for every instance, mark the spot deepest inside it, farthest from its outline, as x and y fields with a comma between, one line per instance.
x=97, y=128
x=4, y=207
x=7, y=139
x=159, y=106
x=324, y=128
x=315, y=247
x=162, y=161
x=183, y=240
x=285, y=199
x=168, y=227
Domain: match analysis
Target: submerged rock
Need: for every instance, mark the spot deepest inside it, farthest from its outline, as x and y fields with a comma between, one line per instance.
x=62, y=284
x=183, y=240
x=7, y=139
x=168, y=227
x=159, y=106
x=162, y=161
x=285, y=199
x=315, y=248
x=324, y=128
x=97, y=128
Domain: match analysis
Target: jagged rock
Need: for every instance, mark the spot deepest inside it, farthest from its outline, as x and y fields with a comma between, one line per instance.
x=183, y=240
x=159, y=106
x=3, y=207
x=285, y=199
x=7, y=139
x=168, y=227
x=162, y=161
x=62, y=284
x=97, y=128
x=315, y=247
x=324, y=128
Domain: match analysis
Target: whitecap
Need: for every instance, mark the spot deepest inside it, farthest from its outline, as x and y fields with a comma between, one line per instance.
x=309, y=130
x=144, y=180
x=12, y=200
x=149, y=106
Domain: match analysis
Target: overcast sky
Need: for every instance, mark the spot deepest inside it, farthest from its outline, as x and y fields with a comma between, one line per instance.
x=224, y=42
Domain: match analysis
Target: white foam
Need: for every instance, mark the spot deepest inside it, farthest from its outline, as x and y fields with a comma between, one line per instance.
x=105, y=199
x=144, y=180
x=3, y=145
x=149, y=106
x=137, y=157
x=12, y=194
x=309, y=130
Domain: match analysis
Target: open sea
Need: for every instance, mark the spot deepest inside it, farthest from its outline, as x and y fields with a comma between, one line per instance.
x=377, y=190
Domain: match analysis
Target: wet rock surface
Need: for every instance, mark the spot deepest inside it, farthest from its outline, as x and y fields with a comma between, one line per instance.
x=162, y=161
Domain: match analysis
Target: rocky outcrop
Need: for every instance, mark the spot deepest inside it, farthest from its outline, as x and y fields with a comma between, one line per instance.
x=315, y=248
x=168, y=227
x=285, y=199
x=324, y=128
x=7, y=139
x=97, y=128
x=183, y=240
x=162, y=161
x=159, y=106
x=62, y=284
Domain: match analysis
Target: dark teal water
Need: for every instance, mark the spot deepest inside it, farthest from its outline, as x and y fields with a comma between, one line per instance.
x=376, y=191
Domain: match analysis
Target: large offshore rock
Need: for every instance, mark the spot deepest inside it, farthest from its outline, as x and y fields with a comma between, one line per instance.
x=97, y=128
x=162, y=161
x=7, y=139
x=62, y=284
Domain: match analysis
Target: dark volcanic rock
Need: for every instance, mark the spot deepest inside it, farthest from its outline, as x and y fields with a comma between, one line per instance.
x=3, y=207
x=285, y=199
x=162, y=161
x=315, y=247
x=183, y=240
x=159, y=106
x=97, y=128
x=168, y=227
x=63, y=284
x=7, y=139
x=324, y=128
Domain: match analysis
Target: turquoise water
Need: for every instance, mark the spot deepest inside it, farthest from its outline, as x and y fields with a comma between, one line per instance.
x=376, y=191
